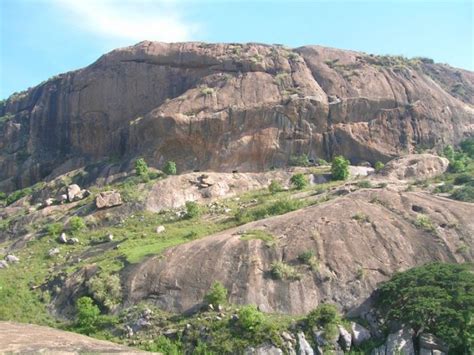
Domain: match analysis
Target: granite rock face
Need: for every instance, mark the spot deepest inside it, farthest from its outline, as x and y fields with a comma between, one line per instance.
x=390, y=238
x=231, y=107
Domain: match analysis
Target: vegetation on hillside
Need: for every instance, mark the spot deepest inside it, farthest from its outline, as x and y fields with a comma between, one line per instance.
x=436, y=298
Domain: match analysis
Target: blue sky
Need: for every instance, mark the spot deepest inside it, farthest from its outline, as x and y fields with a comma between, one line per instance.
x=41, y=38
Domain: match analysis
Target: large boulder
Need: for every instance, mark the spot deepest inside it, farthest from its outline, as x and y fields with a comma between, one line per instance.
x=415, y=167
x=345, y=338
x=108, y=199
x=303, y=346
x=72, y=192
x=399, y=342
x=359, y=333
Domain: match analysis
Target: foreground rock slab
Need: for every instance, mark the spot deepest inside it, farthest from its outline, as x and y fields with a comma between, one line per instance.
x=21, y=338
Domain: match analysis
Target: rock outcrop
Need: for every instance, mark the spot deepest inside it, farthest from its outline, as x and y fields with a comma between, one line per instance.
x=108, y=199
x=359, y=240
x=414, y=167
x=17, y=338
x=231, y=107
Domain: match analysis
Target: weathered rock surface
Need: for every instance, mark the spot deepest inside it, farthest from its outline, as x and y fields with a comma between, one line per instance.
x=415, y=166
x=303, y=346
x=231, y=107
x=108, y=199
x=266, y=349
x=17, y=338
x=174, y=191
x=359, y=333
x=390, y=238
x=400, y=342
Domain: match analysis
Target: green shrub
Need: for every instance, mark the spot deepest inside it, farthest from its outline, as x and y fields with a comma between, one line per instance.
x=309, y=259
x=463, y=179
x=364, y=184
x=260, y=234
x=448, y=152
x=141, y=168
x=361, y=217
x=275, y=187
x=425, y=223
x=278, y=207
x=299, y=181
x=327, y=317
x=378, y=166
x=457, y=166
x=54, y=229
x=321, y=162
x=299, y=160
x=340, y=168
x=250, y=318
x=87, y=315
x=444, y=188
x=217, y=294
x=324, y=314
x=465, y=193
x=281, y=271
x=192, y=209
x=282, y=206
x=18, y=194
x=106, y=290
x=436, y=298
x=306, y=256
x=467, y=146
x=76, y=224
x=170, y=168
x=3, y=195
x=207, y=90
x=191, y=235
x=166, y=346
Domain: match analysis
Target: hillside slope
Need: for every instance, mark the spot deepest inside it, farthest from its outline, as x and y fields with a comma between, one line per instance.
x=358, y=241
x=227, y=107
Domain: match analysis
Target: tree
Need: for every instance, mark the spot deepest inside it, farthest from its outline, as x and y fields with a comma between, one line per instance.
x=217, y=294
x=170, y=168
x=141, y=168
x=436, y=298
x=299, y=181
x=274, y=187
x=87, y=315
x=340, y=168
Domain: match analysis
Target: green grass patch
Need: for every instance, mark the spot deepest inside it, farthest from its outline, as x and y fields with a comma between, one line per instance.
x=262, y=235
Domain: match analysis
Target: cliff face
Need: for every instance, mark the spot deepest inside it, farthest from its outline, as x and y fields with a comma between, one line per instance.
x=231, y=106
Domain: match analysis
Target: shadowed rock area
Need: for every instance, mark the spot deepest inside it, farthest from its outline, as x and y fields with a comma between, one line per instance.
x=224, y=107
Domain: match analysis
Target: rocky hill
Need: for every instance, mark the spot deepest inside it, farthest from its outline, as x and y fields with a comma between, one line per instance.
x=226, y=107
x=177, y=198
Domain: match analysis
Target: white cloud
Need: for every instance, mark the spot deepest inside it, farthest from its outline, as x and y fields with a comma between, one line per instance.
x=131, y=20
